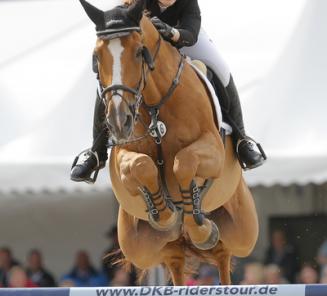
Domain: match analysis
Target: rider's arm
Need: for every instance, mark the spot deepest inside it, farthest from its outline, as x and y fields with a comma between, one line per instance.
x=189, y=25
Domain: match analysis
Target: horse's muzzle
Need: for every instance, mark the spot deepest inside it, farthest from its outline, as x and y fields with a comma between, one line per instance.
x=120, y=127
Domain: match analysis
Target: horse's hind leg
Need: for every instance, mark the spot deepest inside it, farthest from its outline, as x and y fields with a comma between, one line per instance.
x=223, y=259
x=203, y=158
x=140, y=243
x=174, y=259
x=238, y=222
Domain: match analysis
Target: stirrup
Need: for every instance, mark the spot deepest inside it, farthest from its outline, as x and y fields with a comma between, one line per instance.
x=94, y=175
x=239, y=142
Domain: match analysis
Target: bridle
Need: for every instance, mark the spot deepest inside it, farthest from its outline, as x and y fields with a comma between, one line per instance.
x=155, y=129
x=117, y=89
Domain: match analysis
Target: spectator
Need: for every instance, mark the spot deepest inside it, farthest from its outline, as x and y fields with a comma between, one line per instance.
x=323, y=277
x=208, y=275
x=190, y=280
x=36, y=272
x=283, y=255
x=273, y=275
x=111, y=255
x=120, y=278
x=19, y=279
x=253, y=274
x=83, y=274
x=322, y=254
x=6, y=263
x=308, y=275
x=66, y=284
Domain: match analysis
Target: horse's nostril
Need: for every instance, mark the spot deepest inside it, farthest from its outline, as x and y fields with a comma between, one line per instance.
x=128, y=121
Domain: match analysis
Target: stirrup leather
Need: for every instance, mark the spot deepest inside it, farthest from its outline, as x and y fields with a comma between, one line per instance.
x=82, y=157
x=239, y=142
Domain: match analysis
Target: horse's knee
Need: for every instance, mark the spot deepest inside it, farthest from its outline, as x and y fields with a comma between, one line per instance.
x=185, y=166
x=144, y=169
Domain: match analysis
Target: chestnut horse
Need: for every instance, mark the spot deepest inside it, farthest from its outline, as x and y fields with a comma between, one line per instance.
x=176, y=182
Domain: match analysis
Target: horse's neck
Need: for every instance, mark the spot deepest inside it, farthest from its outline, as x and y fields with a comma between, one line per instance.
x=161, y=79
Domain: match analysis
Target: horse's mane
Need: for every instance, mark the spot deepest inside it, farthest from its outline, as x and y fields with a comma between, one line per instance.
x=128, y=2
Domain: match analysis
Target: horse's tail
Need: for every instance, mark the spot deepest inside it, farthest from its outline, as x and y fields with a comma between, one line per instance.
x=116, y=259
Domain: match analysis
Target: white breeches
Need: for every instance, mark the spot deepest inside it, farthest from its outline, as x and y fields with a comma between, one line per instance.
x=206, y=51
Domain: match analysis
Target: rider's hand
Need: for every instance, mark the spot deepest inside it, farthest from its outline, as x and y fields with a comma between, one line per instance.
x=164, y=29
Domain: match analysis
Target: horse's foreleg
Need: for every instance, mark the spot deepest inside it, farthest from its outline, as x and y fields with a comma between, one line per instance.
x=139, y=175
x=205, y=159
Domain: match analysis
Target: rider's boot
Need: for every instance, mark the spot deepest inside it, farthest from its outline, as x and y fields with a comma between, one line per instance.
x=249, y=153
x=88, y=163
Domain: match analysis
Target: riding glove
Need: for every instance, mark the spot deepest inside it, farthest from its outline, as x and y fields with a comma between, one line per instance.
x=164, y=29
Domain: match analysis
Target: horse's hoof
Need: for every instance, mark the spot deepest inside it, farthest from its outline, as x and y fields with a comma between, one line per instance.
x=212, y=241
x=175, y=224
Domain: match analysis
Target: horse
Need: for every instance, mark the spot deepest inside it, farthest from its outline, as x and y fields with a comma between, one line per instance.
x=179, y=186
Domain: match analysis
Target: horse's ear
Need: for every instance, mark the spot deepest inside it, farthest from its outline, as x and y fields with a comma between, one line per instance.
x=135, y=11
x=96, y=15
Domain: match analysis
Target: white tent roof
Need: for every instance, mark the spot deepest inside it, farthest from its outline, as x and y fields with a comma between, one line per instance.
x=48, y=111
x=47, y=88
x=288, y=112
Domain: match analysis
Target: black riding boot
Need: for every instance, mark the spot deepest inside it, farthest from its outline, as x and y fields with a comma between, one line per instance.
x=92, y=160
x=245, y=147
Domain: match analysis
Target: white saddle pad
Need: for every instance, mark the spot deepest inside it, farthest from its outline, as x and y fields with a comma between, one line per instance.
x=218, y=113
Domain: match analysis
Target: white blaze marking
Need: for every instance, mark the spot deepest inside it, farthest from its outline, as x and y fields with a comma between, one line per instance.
x=116, y=49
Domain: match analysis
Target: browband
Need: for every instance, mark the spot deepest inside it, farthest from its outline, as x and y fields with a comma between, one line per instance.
x=117, y=33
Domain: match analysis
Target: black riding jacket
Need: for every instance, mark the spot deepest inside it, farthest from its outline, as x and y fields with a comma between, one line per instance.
x=184, y=15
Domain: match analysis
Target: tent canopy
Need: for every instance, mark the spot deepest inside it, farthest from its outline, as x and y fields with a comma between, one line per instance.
x=288, y=111
x=47, y=90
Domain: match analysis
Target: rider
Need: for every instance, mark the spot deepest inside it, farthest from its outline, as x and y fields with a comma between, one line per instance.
x=179, y=22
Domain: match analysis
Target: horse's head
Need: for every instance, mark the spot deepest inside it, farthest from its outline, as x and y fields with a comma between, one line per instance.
x=120, y=59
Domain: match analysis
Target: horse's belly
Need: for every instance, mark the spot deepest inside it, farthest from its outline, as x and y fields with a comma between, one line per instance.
x=133, y=205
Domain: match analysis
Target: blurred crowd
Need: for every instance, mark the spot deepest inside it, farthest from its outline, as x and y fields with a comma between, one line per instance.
x=281, y=266
x=33, y=273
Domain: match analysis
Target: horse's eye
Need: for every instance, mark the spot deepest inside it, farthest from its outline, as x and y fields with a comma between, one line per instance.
x=139, y=52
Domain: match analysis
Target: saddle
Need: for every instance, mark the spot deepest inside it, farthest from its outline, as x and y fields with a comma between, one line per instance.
x=206, y=77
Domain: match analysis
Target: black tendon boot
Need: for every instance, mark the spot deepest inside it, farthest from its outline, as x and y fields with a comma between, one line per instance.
x=90, y=161
x=249, y=153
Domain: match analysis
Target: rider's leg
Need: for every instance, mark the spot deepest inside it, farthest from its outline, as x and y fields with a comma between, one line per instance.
x=100, y=133
x=206, y=51
x=94, y=158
